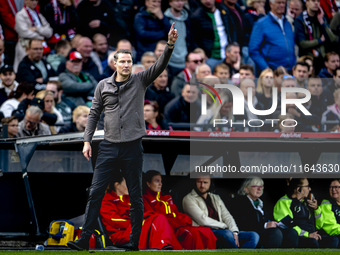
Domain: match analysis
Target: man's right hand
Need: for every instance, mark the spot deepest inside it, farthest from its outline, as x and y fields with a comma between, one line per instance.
x=87, y=151
x=315, y=235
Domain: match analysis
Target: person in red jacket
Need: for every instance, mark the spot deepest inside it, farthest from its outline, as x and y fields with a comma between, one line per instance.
x=115, y=212
x=190, y=237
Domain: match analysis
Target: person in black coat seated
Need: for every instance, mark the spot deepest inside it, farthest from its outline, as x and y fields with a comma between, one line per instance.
x=153, y=119
x=251, y=214
x=79, y=116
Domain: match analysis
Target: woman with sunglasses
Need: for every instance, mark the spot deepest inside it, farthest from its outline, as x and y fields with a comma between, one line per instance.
x=331, y=210
x=294, y=210
x=251, y=214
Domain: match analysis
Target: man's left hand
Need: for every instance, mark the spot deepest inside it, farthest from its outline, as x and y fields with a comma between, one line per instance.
x=236, y=240
x=173, y=34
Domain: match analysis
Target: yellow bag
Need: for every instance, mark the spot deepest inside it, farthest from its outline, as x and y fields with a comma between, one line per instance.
x=60, y=233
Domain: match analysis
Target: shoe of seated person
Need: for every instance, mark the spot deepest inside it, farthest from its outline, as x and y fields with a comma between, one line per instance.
x=130, y=246
x=80, y=244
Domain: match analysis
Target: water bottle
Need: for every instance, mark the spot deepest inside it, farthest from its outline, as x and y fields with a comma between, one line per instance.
x=39, y=247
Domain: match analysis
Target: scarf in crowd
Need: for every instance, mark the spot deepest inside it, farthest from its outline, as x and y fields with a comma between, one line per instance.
x=34, y=22
x=63, y=19
x=254, y=12
x=187, y=75
x=308, y=24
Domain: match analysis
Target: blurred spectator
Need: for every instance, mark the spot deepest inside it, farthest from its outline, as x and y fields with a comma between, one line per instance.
x=288, y=123
x=161, y=88
x=301, y=72
x=30, y=24
x=253, y=12
x=222, y=71
x=331, y=63
x=8, y=10
x=332, y=113
x=101, y=52
x=295, y=7
x=80, y=116
x=150, y=26
x=264, y=89
x=136, y=68
x=278, y=74
x=7, y=82
x=288, y=81
x=335, y=24
x=232, y=57
x=317, y=104
x=309, y=60
x=148, y=59
x=75, y=40
x=202, y=71
x=96, y=16
x=124, y=45
x=192, y=60
x=153, y=118
x=31, y=125
x=247, y=72
x=110, y=69
x=271, y=45
x=23, y=91
x=184, y=108
x=160, y=47
x=211, y=31
x=62, y=104
x=332, y=87
x=33, y=68
x=312, y=33
x=235, y=20
x=176, y=13
x=63, y=18
x=85, y=48
x=12, y=126
x=62, y=48
x=201, y=52
x=77, y=85
x=330, y=8
x=4, y=58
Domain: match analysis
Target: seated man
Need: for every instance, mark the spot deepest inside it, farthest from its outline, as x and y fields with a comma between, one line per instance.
x=31, y=125
x=80, y=116
x=77, y=84
x=101, y=52
x=207, y=209
x=7, y=82
x=148, y=59
x=33, y=68
x=115, y=212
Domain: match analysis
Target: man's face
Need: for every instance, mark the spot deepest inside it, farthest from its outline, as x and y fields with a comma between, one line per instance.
x=222, y=73
x=159, y=49
x=300, y=73
x=152, y=4
x=233, y=55
x=53, y=88
x=7, y=78
x=85, y=47
x=244, y=85
x=332, y=63
x=31, y=121
x=124, y=46
x=246, y=74
x=288, y=84
x=209, y=4
x=100, y=45
x=295, y=9
x=313, y=5
x=148, y=61
x=336, y=79
x=203, y=185
x=278, y=7
x=124, y=64
x=194, y=59
x=190, y=93
x=35, y=52
x=32, y=4
x=177, y=5
x=74, y=66
x=203, y=71
x=315, y=87
x=162, y=81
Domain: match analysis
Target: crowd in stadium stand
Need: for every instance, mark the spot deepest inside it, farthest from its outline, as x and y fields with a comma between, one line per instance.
x=202, y=219
x=57, y=51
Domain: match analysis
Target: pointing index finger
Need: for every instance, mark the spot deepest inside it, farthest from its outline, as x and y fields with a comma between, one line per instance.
x=172, y=27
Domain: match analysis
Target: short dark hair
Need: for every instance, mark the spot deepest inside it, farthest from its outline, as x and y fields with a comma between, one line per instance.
x=301, y=64
x=61, y=44
x=30, y=42
x=329, y=54
x=187, y=56
x=9, y=119
x=232, y=44
x=118, y=177
x=123, y=51
x=247, y=67
x=149, y=175
x=23, y=87
x=57, y=83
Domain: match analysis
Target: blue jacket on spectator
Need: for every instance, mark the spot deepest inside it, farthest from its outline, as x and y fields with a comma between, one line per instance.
x=269, y=46
x=149, y=30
